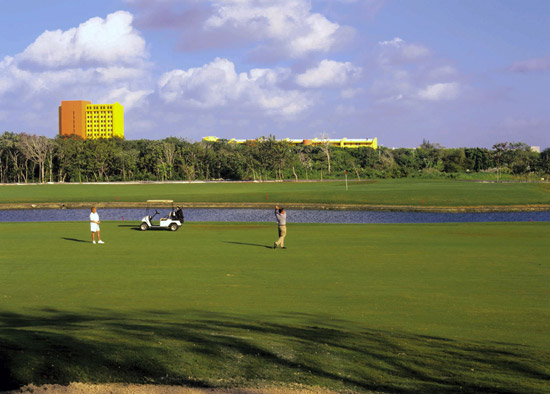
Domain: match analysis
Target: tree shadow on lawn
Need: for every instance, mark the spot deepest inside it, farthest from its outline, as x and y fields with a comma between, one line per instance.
x=202, y=349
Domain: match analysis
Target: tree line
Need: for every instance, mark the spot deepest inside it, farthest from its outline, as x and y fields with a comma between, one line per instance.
x=28, y=158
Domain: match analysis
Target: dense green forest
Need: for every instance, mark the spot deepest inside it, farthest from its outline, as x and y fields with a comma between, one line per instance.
x=30, y=158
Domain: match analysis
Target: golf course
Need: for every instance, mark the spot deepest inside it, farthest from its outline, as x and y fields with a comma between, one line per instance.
x=391, y=192
x=390, y=308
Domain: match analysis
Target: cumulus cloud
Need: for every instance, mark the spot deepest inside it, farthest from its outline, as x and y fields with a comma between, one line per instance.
x=398, y=51
x=128, y=98
x=328, y=73
x=532, y=65
x=97, y=41
x=406, y=86
x=289, y=24
x=440, y=91
x=396, y=42
x=10, y=75
x=409, y=74
x=217, y=84
x=288, y=28
x=101, y=59
x=170, y=14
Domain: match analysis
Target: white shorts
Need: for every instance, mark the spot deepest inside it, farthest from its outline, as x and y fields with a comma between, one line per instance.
x=94, y=227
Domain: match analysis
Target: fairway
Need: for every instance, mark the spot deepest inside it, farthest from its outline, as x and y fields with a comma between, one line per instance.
x=391, y=308
x=408, y=192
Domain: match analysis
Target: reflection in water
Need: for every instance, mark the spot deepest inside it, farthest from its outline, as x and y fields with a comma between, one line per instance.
x=262, y=215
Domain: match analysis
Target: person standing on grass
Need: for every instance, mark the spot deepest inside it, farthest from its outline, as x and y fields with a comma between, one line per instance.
x=280, y=214
x=94, y=226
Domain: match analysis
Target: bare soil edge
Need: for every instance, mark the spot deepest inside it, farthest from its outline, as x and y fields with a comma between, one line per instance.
x=119, y=388
x=265, y=205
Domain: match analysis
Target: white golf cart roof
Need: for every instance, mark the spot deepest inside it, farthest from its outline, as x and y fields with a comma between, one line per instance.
x=159, y=201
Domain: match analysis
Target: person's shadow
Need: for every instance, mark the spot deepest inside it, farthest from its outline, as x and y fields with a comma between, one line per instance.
x=247, y=244
x=74, y=239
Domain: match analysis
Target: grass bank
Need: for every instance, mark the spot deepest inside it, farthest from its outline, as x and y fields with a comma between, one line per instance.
x=402, y=192
x=392, y=308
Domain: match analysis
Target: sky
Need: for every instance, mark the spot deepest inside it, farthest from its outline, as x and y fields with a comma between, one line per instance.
x=461, y=73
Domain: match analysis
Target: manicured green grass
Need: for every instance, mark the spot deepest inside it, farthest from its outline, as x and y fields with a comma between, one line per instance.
x=440, y=308
x=385, y=192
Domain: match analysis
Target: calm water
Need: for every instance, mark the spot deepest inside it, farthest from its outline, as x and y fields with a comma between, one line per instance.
x=257, y=215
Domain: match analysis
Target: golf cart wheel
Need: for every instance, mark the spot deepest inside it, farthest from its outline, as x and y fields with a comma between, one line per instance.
x=143, y=226
x=173, y=227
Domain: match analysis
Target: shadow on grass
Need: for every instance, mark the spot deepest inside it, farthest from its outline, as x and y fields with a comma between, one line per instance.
x=248, y=244
x=201, y=349
x=76, y=240
x=136, y=228
x=131, y=227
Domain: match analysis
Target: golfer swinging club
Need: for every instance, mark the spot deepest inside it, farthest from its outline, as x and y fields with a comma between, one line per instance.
x=280, y=214
x=94, y=226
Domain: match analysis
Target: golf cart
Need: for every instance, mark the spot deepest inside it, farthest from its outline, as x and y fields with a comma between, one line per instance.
x=173, y=222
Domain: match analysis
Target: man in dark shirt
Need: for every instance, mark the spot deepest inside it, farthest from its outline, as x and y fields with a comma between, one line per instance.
x=280, y=214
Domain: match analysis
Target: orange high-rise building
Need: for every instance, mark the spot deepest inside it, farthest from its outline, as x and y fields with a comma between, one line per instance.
x=90, y=121
x=72, y=118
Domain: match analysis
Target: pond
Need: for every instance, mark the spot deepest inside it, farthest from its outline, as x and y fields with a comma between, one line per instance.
x=260, y=215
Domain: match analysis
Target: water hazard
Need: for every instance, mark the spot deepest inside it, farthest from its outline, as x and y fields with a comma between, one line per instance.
x=260, y=215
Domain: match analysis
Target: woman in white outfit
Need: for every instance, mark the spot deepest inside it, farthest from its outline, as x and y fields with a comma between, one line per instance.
x=94, y=226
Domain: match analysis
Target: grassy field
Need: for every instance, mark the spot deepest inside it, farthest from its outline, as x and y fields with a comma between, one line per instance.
x=394, y=308
x=383, y=192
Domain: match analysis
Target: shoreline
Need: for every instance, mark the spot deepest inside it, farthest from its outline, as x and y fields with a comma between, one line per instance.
x=297, y=206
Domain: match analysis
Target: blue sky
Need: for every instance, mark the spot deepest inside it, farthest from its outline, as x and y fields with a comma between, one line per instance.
x=456, y=72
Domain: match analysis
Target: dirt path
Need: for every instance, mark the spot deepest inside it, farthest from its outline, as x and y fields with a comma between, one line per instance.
x=81, y=388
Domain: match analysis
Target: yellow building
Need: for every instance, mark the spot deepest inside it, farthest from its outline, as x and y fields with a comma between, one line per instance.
x=348, y=143
x=98, y=120
x=104, y=121
x=342, y=143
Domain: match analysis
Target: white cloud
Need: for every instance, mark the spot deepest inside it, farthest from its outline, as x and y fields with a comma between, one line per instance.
x=217, y=85
x=398, y=51
x=101, y=59
x=268, y=30
x=411, y=74
x=208, y=86
x=440, y=91
x=328, y=73
x=97, y=41
x=287, y=24
x=128, y=98
x=396, y=42
x=402, y=88
x=412, y=51
x=10, y=75
x=318, y=35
